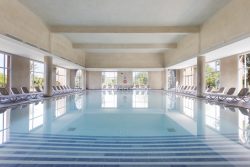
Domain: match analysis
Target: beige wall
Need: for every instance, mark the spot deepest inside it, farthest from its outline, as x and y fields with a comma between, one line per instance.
x=156, y=79
x=226, y=26
x=122, y=75
x=20, y=22
x=229, y=72
x=124, y=60
x=72, y=78
x=20, y=72
x=94, y=80
x=188, y=48
x=62, y=47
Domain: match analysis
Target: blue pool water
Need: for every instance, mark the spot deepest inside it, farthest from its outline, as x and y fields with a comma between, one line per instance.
x=124, y=128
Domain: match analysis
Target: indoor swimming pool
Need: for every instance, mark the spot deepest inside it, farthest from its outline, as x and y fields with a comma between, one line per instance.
x=124, y=128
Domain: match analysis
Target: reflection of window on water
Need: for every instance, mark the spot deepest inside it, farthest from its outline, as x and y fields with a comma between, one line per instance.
x=109, y=99
x=171, y=103
x=188, y=107
x=4, y=126
x=60, y=107
x=213, y=116
x=244, y=128
x=140, y=99
x=35, y=115
x=79, y=101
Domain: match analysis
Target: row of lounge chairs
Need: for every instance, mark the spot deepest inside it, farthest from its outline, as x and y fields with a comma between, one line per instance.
x=126, y=87
x=229, y=96
x=219, y=95
x=186, y=89
x=24, y=94
x=63, y=89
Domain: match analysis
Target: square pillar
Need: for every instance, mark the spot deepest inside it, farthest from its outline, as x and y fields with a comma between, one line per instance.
x=201, y=60
x=48, y=69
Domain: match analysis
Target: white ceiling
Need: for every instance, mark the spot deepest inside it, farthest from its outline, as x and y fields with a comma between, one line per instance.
x=124, y=13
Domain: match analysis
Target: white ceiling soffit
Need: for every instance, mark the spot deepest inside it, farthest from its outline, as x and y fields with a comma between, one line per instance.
x=126, y=38
x=125, y=12
x=234, y=48
x=111, y=51
x=125, y=69
x=16, y=47
x=184, y=64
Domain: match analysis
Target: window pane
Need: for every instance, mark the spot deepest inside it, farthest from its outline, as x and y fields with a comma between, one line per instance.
x=6, y=61
x=38, y=79
x=140, y=78
x=109, y=79
x=1, y=60
x=36, y=74
x=213, y=74
x=38, y=67
x=248, y=60
x=60, y=76
x=2, y=78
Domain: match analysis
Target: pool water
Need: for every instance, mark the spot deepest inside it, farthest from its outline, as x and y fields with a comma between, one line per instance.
x=124, y=128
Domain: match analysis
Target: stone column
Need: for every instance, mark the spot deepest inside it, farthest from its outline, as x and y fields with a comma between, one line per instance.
x=48, y=69
x=200, y=75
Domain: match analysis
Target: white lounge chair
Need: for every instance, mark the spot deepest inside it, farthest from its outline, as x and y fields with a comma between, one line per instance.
x=6, y=96
x=19, y=94
x=242, y=95
x=25, y=90
x=215, y=94
x=229, y=93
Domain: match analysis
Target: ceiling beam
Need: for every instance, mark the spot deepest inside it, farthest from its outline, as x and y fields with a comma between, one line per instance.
x=130, y=29
x=123, y=46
